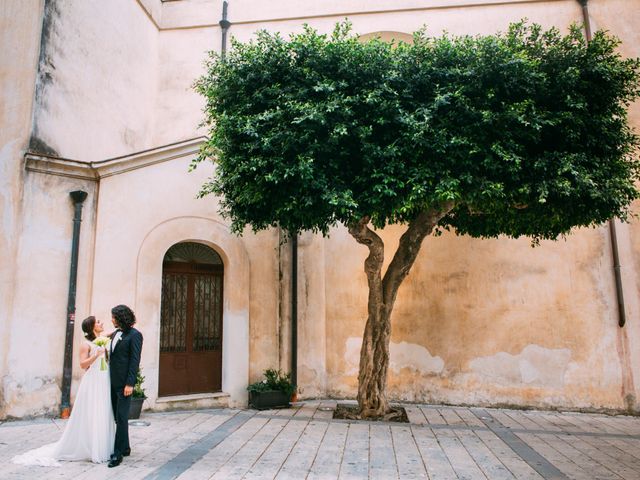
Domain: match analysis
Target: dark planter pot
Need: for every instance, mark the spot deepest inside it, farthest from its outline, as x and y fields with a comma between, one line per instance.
x=136, y=407
x=268, y=399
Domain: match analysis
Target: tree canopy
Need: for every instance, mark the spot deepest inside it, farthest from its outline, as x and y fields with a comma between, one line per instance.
x=524, y=132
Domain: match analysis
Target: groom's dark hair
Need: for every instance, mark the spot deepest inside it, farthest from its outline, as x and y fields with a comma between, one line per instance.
x=124, y=317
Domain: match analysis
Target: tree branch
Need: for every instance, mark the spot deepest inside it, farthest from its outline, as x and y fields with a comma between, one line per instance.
x=373, y=264
x=408, y=250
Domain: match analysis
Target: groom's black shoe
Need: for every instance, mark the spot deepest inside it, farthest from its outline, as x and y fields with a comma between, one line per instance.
x=126, y=453
x=115, y=461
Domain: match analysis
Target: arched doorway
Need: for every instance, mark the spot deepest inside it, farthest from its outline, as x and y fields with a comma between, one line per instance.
x=191, y=320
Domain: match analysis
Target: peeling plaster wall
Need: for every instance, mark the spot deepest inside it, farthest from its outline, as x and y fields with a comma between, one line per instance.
x=622, y=17
x=476, y=321
x=85, y=107
x=312, y=315
x=264, y=314
x=36, y=350
x=20, y=23
x=97, y=79
x=486, y=321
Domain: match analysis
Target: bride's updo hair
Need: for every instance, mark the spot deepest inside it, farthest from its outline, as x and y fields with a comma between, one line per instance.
x=88, y=324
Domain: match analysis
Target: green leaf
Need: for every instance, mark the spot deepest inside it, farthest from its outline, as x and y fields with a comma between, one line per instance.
x=525, y=131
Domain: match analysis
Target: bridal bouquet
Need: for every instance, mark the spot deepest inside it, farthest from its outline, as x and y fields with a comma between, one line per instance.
x=102, y=342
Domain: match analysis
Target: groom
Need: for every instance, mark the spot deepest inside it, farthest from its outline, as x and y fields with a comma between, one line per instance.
x=124, y=361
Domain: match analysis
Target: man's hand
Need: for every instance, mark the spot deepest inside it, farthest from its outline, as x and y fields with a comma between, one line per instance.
x=128, y=390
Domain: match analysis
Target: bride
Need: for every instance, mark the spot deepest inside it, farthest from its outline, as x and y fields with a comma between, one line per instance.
x=90, y=432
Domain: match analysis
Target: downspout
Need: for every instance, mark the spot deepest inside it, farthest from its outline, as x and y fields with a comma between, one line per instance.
x=224, y=25
x=622, y=317
x=78, y=198
x=294, y=310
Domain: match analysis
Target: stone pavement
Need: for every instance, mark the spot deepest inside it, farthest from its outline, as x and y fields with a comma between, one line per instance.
x=305, y=443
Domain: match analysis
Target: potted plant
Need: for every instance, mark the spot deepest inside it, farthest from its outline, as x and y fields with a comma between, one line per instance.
x=137, y=397
x=274, y=391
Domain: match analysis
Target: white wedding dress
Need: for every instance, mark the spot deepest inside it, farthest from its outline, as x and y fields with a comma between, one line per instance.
x=91, y=430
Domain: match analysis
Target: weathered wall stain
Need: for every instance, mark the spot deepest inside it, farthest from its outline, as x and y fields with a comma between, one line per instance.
x=45, y=76
x=402, y=355
x=534, y=366
x=39, y=146
x=33, y=397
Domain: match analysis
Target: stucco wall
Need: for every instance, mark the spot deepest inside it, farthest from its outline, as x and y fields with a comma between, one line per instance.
x=476, y=321
x=621, y=18
x=36, y=349
x=178, y=111
x=486, y=321
x=20, y=23
x=86, y=108
x=97, y=80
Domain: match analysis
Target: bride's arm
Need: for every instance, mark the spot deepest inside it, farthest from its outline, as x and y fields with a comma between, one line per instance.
x=86, y=359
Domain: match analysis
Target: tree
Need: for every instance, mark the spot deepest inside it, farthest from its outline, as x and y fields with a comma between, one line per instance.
x=516, y=134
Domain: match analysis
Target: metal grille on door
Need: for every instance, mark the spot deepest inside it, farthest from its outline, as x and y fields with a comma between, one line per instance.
x=190, y=326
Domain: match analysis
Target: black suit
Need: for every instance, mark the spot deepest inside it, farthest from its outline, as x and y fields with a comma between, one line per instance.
x=124, y=361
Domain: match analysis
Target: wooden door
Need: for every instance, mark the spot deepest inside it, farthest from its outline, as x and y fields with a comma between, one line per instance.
x=191, y=329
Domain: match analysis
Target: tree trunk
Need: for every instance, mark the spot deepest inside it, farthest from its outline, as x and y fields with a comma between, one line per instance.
x=372, y=382
x=374, y=355
x=374, y=363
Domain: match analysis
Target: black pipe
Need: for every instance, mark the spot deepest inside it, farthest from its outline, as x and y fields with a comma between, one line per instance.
x=78, y=197
x=224, y=25
x=622, y=317
x=294, y=309
x=585, y=15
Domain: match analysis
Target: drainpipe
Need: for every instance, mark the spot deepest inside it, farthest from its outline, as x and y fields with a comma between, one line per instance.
x=622, y=317
x=78, y=198
x=294, y=309
x=585, y=16
x=224, y=25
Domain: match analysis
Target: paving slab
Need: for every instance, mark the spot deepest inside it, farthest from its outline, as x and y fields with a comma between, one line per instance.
x=304, y=442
